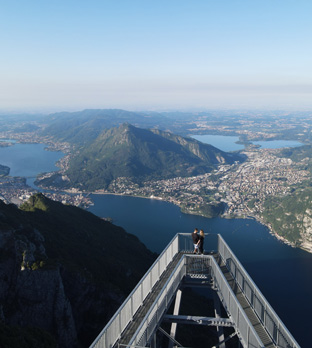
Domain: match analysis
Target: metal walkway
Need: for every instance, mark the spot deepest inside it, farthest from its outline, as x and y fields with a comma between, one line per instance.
x=254, y=321
x=150, y=299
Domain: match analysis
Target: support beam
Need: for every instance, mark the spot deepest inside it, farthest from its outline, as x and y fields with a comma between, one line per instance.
x=176, y=309
x=228, y=338
x=153, y=343
x=190, y=281
x=194, y=320
x=170, y=338
x=217, y=310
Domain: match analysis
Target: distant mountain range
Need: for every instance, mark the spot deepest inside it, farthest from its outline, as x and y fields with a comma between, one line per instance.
x=63, y=273
x=141, y=154
x=82, y=127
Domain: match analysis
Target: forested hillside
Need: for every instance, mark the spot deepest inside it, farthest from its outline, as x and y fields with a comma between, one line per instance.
x=141, y=154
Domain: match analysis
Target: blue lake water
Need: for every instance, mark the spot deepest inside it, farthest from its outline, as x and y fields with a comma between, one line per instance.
x=282, y=273
x=228, y=143
x=29, y=160
x=222, y=142
x=277, y=144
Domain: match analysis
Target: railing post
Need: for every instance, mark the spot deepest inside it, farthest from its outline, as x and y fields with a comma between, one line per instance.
x=237, y=320
x=158, y=264
x=105, y=339
x=248, y=331
x=120, y=329
x=252, y=298
x=277, y=334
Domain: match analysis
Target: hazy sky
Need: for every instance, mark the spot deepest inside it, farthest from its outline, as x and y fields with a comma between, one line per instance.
x=172, y=54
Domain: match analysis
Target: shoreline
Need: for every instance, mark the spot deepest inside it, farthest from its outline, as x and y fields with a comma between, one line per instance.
x=59, y=147
x=222, y=216
x=251, y=217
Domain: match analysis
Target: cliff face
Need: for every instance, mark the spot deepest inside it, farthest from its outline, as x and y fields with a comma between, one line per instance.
x=32, y=297
x=291, y=216
x=57, y=290
x=306, y=231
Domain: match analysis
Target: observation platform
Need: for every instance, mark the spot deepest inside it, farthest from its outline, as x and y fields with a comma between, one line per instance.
x=241, y=312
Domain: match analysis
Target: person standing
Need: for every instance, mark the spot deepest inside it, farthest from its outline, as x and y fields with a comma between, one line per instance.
x=201, y=241
x=195, y=238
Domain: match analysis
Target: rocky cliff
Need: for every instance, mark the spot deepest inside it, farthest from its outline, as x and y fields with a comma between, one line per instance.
x=62, y=274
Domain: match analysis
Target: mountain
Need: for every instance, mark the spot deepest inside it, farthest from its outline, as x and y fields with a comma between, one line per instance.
x=82, y=127
x=141, y=154
x=290, y=216
x=63, y=273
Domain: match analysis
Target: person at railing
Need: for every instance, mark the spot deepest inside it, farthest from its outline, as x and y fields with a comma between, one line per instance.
x=195, y=238
x=201, y=241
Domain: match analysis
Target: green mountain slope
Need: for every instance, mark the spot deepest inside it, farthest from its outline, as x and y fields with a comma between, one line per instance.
x=84, y=126
x=291, y=216
x=141, y=154
x=63, y=270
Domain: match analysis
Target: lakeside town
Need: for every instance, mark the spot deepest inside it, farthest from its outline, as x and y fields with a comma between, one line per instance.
x=16, y=190
x=241, y=188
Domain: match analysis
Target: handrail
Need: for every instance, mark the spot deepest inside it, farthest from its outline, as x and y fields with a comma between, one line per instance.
x=183, y=242
x=266, y=314
x=230, y=302
x=150, y=322
x=113, y=329
x=161, y=303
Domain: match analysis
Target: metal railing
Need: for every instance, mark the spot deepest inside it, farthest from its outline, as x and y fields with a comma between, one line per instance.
x=186, y=266
x=112, y=331
x=159, y=307
x=182, y=242
x=243, y=326
x=267, y=316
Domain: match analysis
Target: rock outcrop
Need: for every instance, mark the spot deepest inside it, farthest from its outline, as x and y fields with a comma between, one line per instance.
x=56, y=289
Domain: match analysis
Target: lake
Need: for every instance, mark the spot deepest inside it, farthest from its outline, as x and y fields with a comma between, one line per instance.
x=277, y=144
x=229, y=143
x=223, y=142
x=29, y=160
x=282, y=273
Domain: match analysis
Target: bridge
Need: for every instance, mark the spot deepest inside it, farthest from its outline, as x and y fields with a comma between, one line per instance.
x=150, y=317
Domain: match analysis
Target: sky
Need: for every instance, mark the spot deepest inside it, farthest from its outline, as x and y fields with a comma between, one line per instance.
x=66, y=55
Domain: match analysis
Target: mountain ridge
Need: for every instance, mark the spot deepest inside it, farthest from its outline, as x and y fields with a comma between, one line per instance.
x=82, y=127
x=141, y=154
